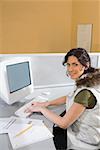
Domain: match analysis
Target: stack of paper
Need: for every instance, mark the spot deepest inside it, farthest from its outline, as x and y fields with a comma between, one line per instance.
x=23, y=132
x=4, y=125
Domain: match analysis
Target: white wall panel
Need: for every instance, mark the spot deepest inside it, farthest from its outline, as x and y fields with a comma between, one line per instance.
x=48, y=70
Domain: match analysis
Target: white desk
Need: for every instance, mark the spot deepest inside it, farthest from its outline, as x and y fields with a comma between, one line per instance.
x=8, y=110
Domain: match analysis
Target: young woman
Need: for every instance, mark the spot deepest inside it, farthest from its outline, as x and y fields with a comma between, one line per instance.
x=82, y=106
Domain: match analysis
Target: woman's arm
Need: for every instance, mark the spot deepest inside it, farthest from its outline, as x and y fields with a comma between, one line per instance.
x=56, y=102
x=69, y=118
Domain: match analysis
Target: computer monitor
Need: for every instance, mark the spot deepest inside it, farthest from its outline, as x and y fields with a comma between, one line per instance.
x=16, y=79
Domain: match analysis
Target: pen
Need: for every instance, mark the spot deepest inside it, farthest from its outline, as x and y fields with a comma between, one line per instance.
x=23, y=131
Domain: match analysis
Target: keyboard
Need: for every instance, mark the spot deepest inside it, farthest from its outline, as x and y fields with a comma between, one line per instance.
x=21, y=111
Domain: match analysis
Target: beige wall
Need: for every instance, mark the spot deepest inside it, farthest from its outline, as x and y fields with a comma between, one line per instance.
x=98, y=32
x=38, y=26
x=28, y=26
x=0, y=26
x=86, y=12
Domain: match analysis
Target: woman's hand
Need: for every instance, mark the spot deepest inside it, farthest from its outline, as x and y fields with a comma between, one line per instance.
x=33, y=108
x=36, y=107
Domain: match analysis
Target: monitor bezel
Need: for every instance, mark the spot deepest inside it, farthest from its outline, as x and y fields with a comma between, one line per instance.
x=18, y=95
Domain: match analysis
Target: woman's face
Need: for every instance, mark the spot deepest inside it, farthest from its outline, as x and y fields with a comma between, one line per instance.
x=74, y=67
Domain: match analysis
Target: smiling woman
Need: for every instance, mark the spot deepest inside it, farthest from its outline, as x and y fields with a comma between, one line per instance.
x=82, y=105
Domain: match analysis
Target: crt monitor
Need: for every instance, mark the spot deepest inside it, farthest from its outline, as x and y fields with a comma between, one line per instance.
x=16, y=79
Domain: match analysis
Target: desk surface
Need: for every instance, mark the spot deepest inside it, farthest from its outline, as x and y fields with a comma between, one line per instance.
x=8, y=110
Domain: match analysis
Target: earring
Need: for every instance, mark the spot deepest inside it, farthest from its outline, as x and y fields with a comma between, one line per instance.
x=67, y=74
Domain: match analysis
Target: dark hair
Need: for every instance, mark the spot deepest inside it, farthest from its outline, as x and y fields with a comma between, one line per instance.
x=82, y=56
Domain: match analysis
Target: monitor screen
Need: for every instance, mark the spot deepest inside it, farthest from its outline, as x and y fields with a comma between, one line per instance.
x=18, y=76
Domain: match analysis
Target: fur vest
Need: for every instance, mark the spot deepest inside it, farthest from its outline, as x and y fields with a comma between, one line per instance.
x=87, y=126
x=89, y=79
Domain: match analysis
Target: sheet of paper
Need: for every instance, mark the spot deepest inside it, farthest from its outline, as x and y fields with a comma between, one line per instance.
x=84, y=36
x=24, y=134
